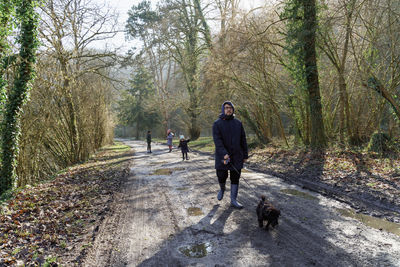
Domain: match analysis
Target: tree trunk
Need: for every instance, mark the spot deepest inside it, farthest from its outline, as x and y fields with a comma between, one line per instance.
x=194, y=129
x=18, y=94
x=318, y=139
x=72, y=123
x=344, y=98
x=342, y=126
x=206, y=29
x=388, y=97
x=344, y=109
x=137, y=129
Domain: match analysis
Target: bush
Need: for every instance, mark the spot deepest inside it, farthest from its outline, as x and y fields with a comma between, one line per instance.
x=255, y=143
x=394, y=145
x=379, y=142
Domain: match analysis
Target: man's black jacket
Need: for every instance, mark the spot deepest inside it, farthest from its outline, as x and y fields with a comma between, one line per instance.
x=229, y=138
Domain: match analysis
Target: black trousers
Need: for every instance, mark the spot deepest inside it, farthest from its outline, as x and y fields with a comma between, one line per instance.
x=184, y=154
x=223, y=175
x=148, y=146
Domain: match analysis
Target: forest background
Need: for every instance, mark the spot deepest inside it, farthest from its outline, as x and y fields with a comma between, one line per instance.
x=303, y=74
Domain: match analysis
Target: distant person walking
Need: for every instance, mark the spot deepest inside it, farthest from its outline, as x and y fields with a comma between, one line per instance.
x=170, y=136
x=148, y=138
x=183, y=144
x=230, y=150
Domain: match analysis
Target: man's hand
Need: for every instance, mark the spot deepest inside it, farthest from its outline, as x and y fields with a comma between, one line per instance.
x=226, y=159
x=245, y=160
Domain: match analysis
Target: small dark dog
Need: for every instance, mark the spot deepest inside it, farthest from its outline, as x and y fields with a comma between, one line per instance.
x=267, y=212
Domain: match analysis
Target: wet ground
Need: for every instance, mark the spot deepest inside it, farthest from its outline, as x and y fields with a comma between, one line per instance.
x=367, y=182
x=168, y=215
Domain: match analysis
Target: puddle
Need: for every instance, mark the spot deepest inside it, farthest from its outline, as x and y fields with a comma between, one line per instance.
x=162, y=172
x=182, y=188
x=166, y=171
x=298, y=193
x=158, y=163
x=178, y=169
x=194, y=211
x=197, y=250
x=380, y=224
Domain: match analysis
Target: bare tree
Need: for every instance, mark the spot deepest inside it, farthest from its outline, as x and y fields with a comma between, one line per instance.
x=183, y=39
x=375, y=48
x=248, y=62
x=335, y=38
x=68, y=28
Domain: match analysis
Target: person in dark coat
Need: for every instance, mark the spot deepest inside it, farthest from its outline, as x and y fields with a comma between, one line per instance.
x=148, y=138
x=183, y=144
x=170, y=136
x=230, y=150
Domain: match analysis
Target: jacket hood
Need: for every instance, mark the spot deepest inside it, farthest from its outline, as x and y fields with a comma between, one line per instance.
x=230, y=104
x=222, y=115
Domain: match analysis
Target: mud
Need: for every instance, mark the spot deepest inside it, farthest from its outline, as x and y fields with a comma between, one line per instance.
x=371, y=194
x=380, y=224
x=294, y=192
x=151, y=226
x=194, y=211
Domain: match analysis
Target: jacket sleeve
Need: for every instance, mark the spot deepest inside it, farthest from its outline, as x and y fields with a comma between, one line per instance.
x=243, y=142
x=219, y=144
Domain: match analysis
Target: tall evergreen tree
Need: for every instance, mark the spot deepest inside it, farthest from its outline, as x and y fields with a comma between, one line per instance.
x=133, y=109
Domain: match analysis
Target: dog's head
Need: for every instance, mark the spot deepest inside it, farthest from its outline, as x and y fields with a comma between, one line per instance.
x=267, y=212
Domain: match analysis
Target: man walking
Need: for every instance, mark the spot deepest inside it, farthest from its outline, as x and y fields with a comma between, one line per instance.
x=230, y=150
x=148, y=138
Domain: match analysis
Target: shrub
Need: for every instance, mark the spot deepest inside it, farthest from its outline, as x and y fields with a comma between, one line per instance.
x=379, y=142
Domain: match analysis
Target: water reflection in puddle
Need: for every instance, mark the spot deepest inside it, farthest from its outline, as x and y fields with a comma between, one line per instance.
x=298, y=193
x=178, y=169
x=380, y=224
x=194, y=211
x=162, y=172
x=158, y=162
x=182, y=188
x=166, y=171
x=197, y=250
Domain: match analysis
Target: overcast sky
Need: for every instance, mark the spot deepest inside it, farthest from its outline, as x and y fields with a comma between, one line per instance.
x=122, y=7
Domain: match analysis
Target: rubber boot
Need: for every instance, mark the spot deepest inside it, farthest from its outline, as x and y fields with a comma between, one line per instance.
x=221, y=191
x=234, y=193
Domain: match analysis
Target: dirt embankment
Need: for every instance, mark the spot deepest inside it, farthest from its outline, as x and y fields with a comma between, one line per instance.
x=56, y=222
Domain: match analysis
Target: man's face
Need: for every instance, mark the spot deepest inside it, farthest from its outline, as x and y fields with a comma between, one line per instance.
x=228, y=110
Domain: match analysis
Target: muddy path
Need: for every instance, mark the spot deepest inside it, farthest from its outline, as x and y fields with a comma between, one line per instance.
x=168, y=215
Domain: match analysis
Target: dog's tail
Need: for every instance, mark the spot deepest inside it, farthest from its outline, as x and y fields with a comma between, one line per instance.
x=263, y=198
